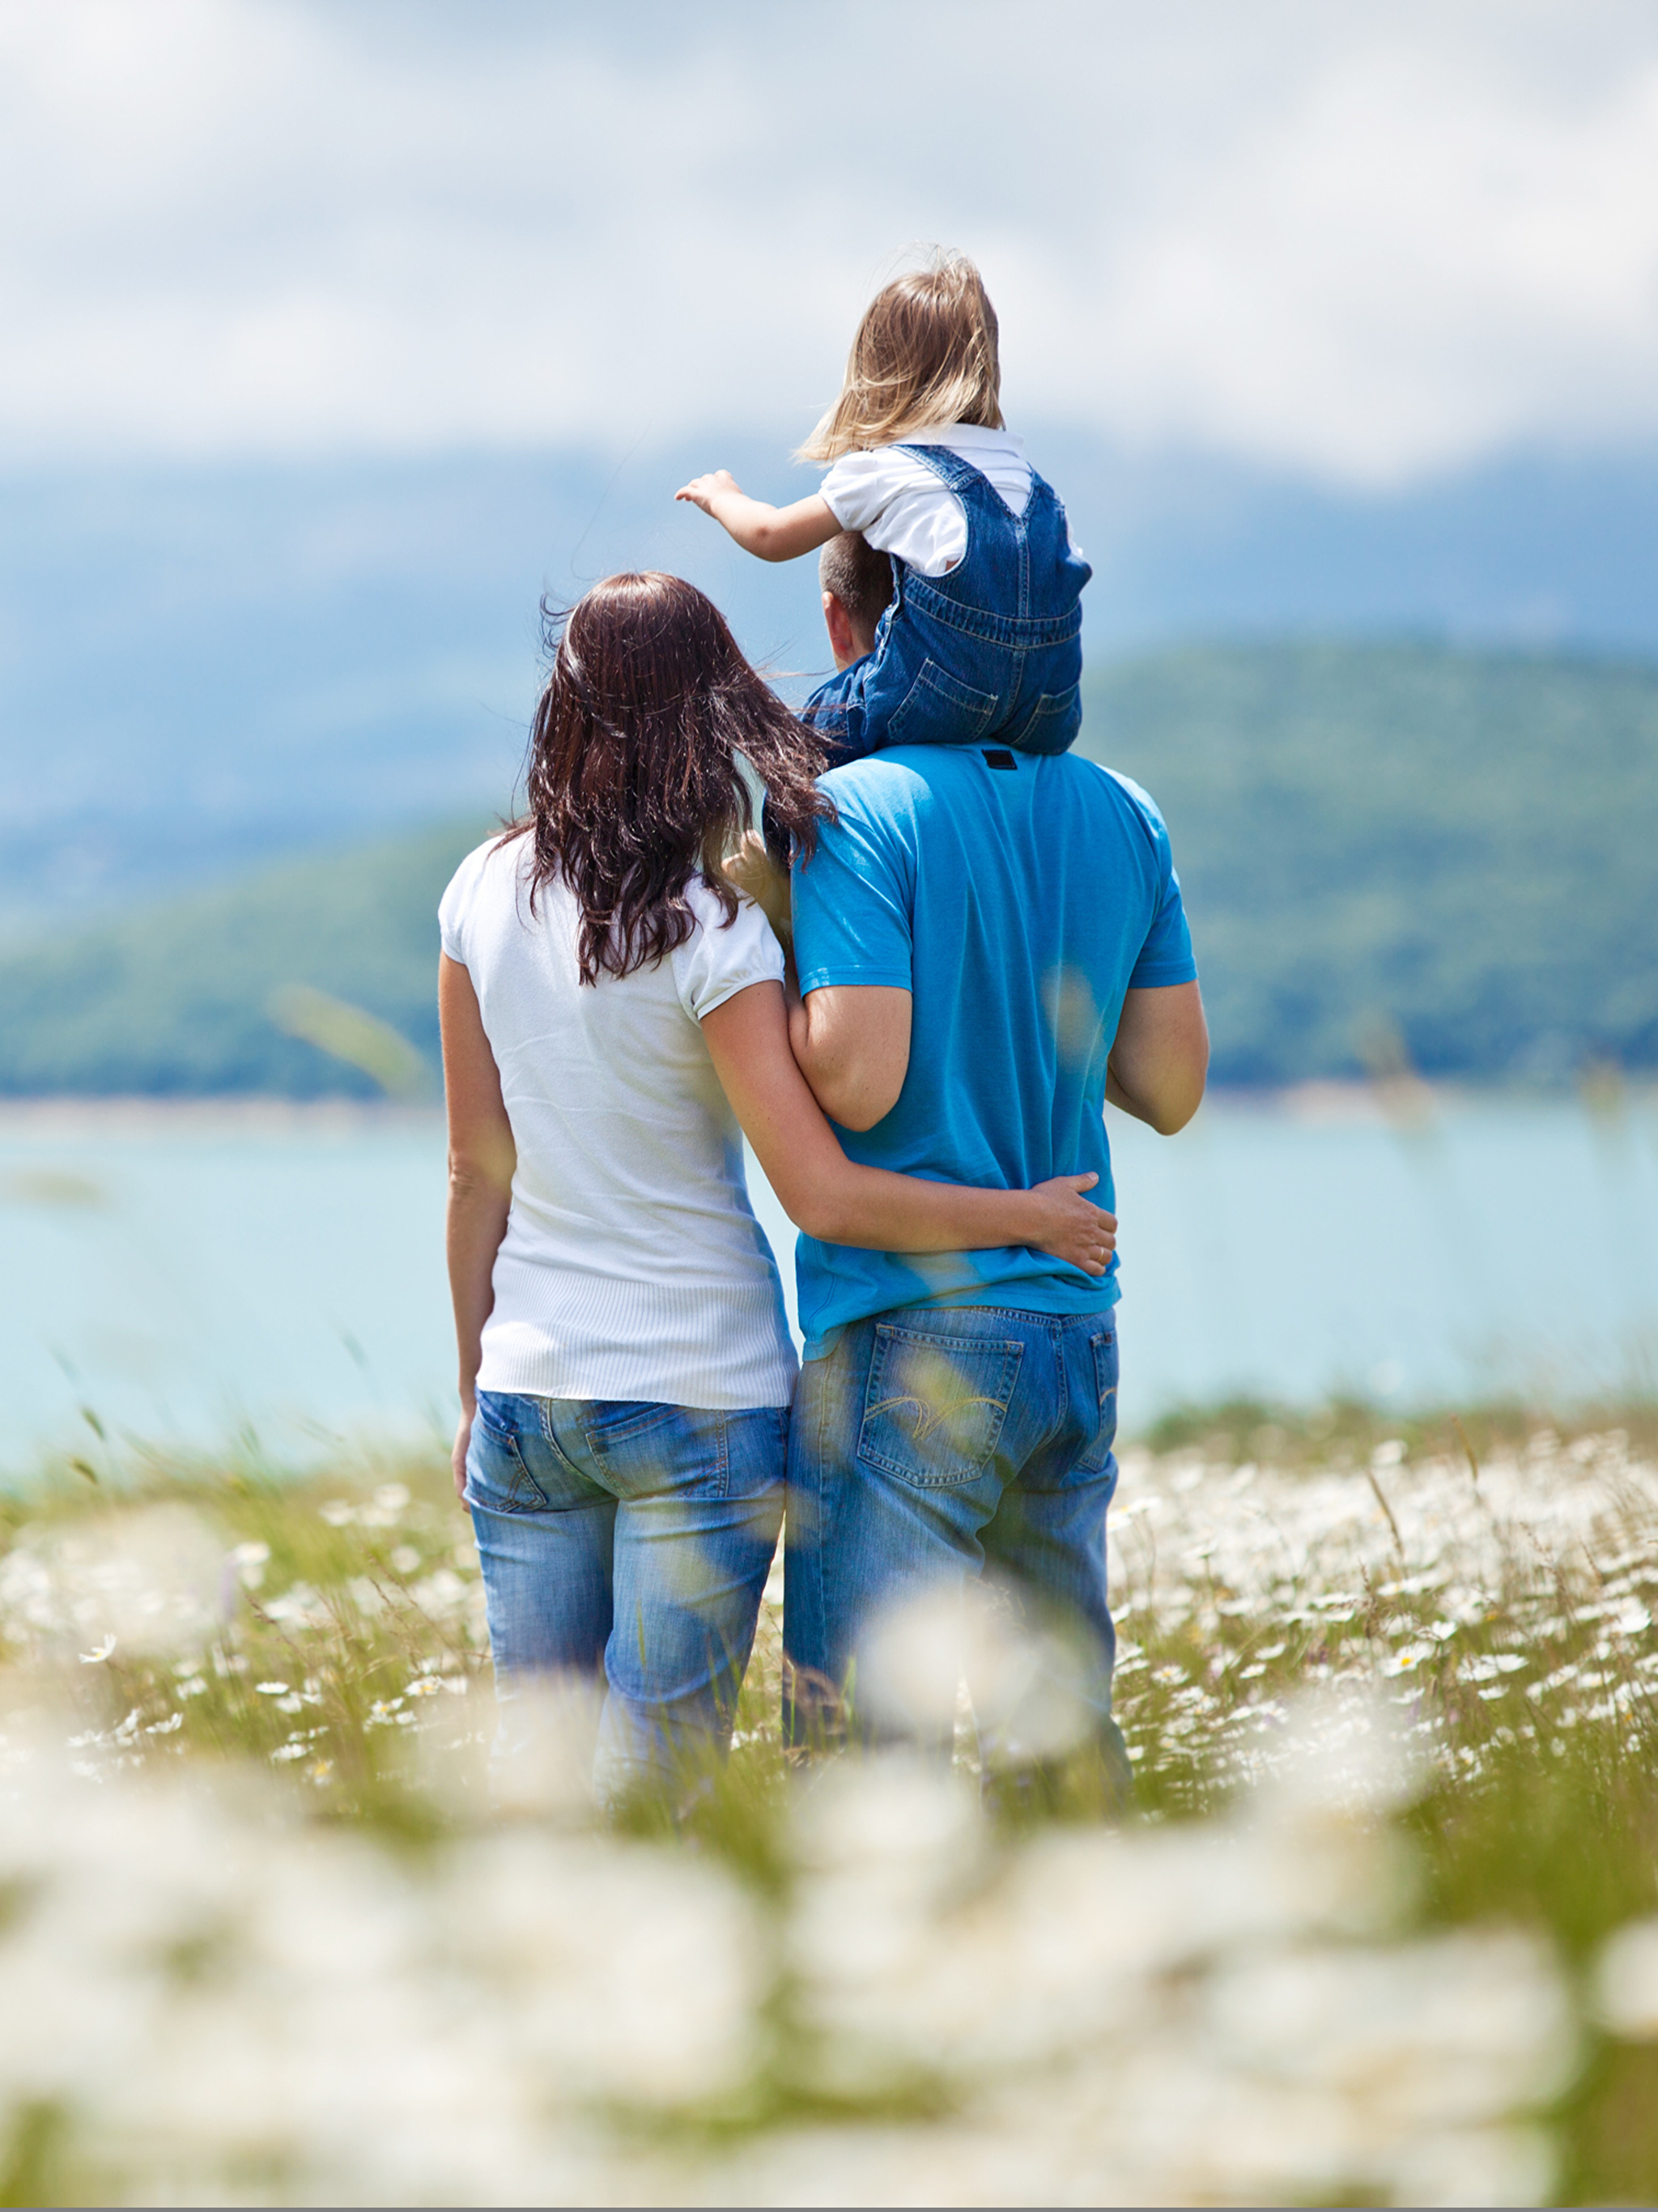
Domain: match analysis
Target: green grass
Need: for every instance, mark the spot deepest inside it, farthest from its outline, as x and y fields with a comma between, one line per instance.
x=1345, y=1432
x=360, y=1596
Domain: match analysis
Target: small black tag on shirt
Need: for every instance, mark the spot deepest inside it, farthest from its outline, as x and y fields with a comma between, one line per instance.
x=996, y=758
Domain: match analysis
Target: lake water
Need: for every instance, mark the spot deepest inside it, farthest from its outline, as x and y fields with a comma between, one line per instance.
x=193, y=1272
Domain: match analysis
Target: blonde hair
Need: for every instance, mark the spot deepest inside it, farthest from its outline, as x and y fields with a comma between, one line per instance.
x=925, y=353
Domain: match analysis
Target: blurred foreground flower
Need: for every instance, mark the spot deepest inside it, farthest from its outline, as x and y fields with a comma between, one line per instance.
x=263, y=1943
x=150, y=1580
x=1626, y=1982
x=1028, y=1685
x=351, y=1034
x=202, y=1990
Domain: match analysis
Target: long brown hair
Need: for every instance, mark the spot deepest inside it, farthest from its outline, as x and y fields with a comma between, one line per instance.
x=927, y=352
x=633, y=782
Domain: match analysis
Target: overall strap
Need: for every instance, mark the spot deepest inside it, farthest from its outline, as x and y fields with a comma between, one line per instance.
x=961, y=476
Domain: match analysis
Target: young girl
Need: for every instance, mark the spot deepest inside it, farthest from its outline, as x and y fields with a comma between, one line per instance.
x=613, y=1016
x=982, y=639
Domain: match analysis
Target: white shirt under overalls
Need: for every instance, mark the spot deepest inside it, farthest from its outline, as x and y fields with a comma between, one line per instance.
x=901, y=507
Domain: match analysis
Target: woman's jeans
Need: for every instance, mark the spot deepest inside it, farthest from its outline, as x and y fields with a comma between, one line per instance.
x=632, y=1541
x=936, y=1445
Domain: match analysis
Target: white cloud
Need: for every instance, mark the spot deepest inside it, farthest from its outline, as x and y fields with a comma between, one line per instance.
x=1361, y=242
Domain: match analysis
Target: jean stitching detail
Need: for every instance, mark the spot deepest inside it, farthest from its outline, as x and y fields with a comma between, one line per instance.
x=1087, y=1462
x=826, y=1400
x=1051, y=1323
x=937, y=1336
x=1011, y=1356
x=515, y=1501
x=550, y=1437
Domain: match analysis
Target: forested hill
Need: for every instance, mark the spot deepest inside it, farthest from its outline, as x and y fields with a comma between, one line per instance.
x=1376, y=841
x=184, y=997
x=1460, y=847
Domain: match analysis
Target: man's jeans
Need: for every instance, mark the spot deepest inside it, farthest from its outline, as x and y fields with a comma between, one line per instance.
x=630, y=1542
x=938, y=1443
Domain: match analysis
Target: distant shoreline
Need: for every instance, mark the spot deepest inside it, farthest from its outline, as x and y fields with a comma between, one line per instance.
x=74, y=1113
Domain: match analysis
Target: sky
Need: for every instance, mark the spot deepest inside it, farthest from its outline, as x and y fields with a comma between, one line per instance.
x=1357, y=245
x=334, y=332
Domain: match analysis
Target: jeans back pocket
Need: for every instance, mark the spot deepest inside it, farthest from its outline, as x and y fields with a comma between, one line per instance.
x=934, y=1406
x=641, y=1449
x=497, y=1477
x=1052, y=725
x=1102, y=1351
x=939, y=708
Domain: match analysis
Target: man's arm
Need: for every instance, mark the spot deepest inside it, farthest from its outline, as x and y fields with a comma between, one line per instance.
x=1160, y=1060
x=852, y=1041
x=838, y=1201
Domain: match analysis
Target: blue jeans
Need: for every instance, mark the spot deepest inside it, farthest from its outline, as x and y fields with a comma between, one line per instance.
x=626, y=1542
x=936, y=1444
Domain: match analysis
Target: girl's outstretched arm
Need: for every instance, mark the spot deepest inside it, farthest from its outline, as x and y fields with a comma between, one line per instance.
x=831, y=1198
x=775, y=533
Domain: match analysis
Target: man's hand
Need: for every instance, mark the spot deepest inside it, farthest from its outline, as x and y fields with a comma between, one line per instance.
x=457, y=1456
x=1072, y=1227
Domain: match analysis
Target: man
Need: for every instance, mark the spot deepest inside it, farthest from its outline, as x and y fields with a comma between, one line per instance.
x=989, y=945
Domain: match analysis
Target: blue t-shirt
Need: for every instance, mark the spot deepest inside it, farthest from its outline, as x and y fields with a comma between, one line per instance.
x=1016, y=904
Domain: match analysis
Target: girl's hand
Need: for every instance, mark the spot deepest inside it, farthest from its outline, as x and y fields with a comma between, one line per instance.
x=457, y=1456
x=702, y=491
x=1069, y=1226
x=773, y=533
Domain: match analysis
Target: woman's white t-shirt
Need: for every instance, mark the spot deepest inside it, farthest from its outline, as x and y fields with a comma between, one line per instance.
x=903, y=507
x=632, y=1266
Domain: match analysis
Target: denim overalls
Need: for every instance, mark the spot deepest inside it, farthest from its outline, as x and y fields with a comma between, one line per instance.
x=991, y=649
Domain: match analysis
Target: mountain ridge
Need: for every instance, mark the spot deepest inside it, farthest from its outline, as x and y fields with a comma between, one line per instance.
x=208, y=664
x=1405, y=848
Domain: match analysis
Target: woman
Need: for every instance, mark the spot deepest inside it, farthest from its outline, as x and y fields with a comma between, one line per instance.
x=614, y=1020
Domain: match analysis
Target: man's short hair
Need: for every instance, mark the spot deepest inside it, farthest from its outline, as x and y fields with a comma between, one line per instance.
x=860, y=577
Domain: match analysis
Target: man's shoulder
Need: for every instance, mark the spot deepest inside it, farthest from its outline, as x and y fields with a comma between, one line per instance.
x=882, y=790
x=905, y=784
x=1111, y=786
x=1136, y=794
x=879, y=777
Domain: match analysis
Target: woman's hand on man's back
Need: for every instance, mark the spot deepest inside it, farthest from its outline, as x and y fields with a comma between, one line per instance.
x=1070, y=1226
